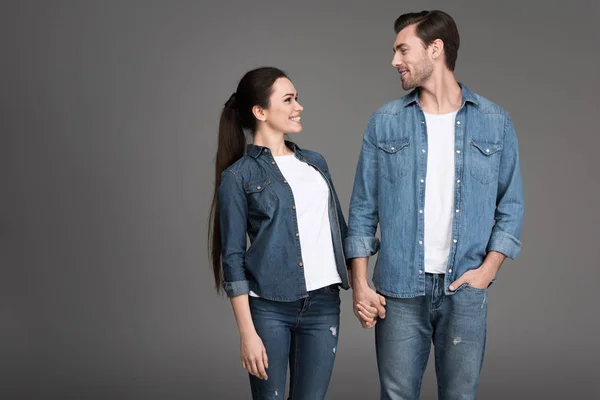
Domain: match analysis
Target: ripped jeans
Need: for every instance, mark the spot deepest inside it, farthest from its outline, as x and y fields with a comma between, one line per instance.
x=303, y=333
x=456, y=324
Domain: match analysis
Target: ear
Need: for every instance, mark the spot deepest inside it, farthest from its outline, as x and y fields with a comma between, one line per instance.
x=259, y=113
x=436, y=48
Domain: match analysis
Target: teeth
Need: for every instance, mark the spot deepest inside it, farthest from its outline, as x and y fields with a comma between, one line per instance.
x=295, y=119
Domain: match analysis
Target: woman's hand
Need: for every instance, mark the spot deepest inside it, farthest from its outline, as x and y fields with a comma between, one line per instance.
x=254, y=355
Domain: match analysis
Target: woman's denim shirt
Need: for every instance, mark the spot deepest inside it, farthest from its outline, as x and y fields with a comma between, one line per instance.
x=254, y=198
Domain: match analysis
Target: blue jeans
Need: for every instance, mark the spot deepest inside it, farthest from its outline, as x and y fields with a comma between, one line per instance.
x=303, y=333
x=455, y=323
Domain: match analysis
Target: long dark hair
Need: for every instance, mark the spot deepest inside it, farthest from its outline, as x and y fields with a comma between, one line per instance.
x=254, y=89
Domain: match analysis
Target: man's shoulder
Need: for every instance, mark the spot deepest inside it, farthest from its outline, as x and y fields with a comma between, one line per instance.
x=393, y=107
x=486, y=106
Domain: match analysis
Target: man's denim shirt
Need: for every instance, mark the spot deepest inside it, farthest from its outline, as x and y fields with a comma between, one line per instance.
x=389, y=190
x=255, y=198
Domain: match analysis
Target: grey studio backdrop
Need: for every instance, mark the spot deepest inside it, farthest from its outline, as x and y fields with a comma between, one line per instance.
x=108, y=124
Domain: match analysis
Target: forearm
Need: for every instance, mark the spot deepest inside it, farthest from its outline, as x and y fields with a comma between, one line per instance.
x=492, y=262
x=243, y=318
x=359, y=272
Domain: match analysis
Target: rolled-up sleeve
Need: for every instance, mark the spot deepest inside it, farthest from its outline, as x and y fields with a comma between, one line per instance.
x=363, y=217
x=509, y=202
x=233, y=216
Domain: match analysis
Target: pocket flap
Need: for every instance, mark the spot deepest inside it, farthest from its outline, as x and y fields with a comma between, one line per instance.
x=257, y=187
x=486, y=148
x=393, y=146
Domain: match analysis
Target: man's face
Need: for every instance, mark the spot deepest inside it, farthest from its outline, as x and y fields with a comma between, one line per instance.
x=411, y=59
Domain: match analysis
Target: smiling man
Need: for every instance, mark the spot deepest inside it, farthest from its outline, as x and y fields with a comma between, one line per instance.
x=439, y=173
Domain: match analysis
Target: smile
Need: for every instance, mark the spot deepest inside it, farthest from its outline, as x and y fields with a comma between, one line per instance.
x=295, y=119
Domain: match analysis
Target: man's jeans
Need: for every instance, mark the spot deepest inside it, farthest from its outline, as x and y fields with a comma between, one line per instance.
x=303, y=333
x=455, y=323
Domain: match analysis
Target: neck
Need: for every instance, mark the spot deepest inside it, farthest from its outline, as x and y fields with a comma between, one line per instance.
x=441, y=94
x=273, y=140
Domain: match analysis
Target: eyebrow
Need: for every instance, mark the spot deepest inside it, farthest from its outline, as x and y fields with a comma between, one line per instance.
x=394, y=49
x=289, y=94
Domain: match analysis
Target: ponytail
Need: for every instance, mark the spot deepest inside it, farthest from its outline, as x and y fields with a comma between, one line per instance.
x=232, y=143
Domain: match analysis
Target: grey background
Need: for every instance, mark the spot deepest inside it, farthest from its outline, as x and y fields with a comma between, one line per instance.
x=108, y=126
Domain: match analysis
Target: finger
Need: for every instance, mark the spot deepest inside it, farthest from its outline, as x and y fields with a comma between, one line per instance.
x=381, y=311
x=381, y=300
x=367, y=307
x=244, y=365
x=265, y=359
x=253, y=368
x=368, y=324
x=365, y=317
x=261, y=369
x=368, y=312
x=457, y=283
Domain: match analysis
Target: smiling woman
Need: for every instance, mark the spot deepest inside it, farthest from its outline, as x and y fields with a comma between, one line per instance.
x=284, y=287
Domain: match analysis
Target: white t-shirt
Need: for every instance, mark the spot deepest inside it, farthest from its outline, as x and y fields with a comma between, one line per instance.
x=311, y=196
x=439, y=191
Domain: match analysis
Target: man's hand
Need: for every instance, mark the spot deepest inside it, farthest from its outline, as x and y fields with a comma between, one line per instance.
x=367, y=305
x=481, y=277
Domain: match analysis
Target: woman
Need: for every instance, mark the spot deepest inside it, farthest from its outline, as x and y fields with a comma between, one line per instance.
x=284, y=287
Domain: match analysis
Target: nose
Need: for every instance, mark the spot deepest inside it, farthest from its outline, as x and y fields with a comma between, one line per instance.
x=299, y=106
x=396, y=60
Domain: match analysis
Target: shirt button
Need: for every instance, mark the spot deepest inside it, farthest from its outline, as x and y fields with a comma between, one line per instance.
x=297, y=234
x=487, y=150
x=266, y=151
x=458, y=151
x=420, y=242
x=455, y=240
x=284, y=181
x=393, y=148
x=457, y=122
x=422, y=121
x=450, y=270
x=272, y=162
x=293, y=207
x=420, y=272
x=422, y=180
x=457, y=211
x=420, y=211
x=458, y=181
x=300, y=264
x=258, y=188
x=423, y=150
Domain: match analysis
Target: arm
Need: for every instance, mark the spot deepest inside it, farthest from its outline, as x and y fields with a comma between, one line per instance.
x=361, y=241
x=504, y=240
x=253, y=353
x=233, y=216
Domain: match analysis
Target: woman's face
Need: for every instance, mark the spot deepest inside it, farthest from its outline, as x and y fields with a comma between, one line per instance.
x=283, y=114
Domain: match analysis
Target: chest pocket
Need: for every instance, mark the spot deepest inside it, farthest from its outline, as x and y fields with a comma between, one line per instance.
x=485, y=160
x=394, y=159
x=262, y=202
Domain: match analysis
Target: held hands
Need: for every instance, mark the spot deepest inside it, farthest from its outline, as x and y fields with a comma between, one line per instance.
x=254, y=355
x=368, y=305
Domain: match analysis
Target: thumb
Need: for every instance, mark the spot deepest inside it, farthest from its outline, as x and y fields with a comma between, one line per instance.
x=454, y=285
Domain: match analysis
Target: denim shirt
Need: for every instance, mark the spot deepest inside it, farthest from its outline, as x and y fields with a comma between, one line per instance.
x=389, y=190
x=255, y=199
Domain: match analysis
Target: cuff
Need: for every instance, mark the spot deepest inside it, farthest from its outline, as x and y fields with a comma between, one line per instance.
x=504, y=243
x=236, y=288
x=360, y=246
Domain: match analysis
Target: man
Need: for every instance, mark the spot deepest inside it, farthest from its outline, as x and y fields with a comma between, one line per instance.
x=439, y=172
